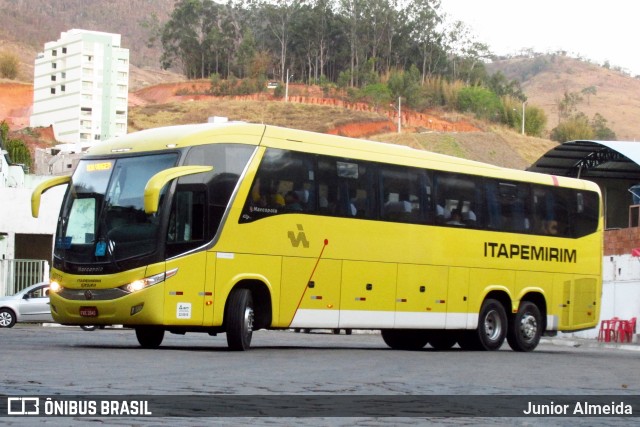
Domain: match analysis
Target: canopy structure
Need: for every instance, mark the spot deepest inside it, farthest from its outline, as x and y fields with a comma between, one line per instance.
x=613, y=165
x=592, y=160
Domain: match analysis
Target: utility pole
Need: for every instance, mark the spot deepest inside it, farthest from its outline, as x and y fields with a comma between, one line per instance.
x=399, y=114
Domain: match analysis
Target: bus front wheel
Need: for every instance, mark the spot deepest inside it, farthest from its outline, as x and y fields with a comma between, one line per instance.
x=149, y=337
x=526, y=328
x=239, y=320
x=405, y=339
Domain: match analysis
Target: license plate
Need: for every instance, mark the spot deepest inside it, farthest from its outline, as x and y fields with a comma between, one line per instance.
x=88, y=311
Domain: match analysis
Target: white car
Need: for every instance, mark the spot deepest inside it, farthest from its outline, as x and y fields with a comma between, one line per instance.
x=29, y=305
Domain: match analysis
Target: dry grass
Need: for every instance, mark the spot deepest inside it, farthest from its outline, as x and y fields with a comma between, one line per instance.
x=497, y=145
x=297, y=116
x=616, y=95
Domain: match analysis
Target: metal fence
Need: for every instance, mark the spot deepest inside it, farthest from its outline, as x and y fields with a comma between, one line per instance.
x=17, y=274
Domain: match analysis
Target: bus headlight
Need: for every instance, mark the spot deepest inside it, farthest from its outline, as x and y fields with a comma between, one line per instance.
x=55, y=287
x=138, y=285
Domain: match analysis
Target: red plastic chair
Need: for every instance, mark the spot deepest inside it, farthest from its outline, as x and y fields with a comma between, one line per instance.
x=607, y=331
x=626, y=329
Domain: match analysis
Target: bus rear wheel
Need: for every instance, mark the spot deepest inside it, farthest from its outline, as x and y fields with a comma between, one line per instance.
x=526, y=328
x=405, y=339
x=491, y=331
x=239, y=320
x=149, y=337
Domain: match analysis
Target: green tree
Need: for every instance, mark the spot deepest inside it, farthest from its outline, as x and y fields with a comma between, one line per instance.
x=479, y=100
x=588, y=91
x=535, y=121
x=499, y=84
x=574, y=128
x=16, y=148
x=601, y=130
x=568, y=105
x=9, y=65
x=377, y=93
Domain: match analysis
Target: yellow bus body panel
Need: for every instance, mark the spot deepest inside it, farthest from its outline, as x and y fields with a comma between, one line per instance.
x=333, y=272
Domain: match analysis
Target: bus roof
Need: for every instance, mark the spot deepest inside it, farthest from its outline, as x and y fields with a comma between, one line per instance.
x=181, y=136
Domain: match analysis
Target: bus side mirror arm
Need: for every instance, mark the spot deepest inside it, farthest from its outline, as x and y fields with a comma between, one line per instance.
x=159, y=180
x=41, y=188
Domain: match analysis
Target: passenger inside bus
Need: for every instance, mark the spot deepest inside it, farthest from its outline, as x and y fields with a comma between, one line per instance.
x=456, y=218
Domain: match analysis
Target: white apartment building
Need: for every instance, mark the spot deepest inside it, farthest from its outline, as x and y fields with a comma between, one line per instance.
x=81, y=85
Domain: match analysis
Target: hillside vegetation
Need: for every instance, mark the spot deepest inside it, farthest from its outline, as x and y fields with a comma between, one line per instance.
x=547, y=78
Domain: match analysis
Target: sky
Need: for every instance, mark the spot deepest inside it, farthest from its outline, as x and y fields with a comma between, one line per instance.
x=596, y=30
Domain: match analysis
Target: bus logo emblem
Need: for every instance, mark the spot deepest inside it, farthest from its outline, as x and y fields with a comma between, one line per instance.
x=299, y=238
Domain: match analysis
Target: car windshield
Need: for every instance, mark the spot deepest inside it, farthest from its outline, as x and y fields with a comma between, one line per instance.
x=103, y=217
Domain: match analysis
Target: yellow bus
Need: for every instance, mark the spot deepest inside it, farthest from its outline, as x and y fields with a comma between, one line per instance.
x=235, y=227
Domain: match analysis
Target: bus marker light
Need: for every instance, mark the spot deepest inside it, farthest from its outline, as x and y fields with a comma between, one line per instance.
x=136, y=309
x=329, y=305
x=208, y=303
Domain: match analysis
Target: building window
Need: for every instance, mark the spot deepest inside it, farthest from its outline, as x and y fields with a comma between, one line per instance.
x=63, y=75
x=53, y=91
x=53, y=78
x=64, y=50
x=54, y=65
x=54, y=52
x=96, y=137
x=63, y=88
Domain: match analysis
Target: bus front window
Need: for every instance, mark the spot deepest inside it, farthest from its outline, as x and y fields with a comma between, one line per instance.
x=103, y=216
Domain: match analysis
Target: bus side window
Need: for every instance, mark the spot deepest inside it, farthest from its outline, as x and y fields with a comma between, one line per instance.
x=345, y=188
x=550, y=211
x=507, y=205
x=401, y=194
x=459, y=193
x=284, y=183
x=187, y=220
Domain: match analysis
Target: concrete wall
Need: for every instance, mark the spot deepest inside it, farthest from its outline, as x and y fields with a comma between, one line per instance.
x=15, y=213
x=620, y=290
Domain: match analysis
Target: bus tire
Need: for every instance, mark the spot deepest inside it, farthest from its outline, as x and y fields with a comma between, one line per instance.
x=149, y=337
x=405, y=339
x=442, y=340
x=239, y=320
x=491, y=330
x=525, y=329
x=492, y=325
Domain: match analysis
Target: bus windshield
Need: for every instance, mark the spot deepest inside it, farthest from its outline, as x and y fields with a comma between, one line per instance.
x=103, y=216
